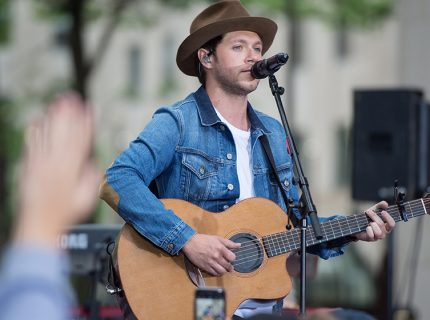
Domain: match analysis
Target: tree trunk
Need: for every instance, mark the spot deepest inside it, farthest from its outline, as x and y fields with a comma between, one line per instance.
x=77, y=47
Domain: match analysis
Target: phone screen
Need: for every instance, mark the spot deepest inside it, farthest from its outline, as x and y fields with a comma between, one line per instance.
x=209, y=304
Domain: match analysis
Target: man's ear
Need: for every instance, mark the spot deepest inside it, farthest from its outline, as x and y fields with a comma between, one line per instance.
x=204, y=57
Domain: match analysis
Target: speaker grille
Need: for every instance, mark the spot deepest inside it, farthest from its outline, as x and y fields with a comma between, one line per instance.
x=388, y=142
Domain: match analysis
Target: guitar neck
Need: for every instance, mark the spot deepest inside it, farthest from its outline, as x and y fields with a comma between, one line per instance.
x=283, y=242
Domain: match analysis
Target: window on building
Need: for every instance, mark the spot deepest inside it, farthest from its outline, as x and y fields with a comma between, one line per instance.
x=344, y=158
x=61, y=33
x=342, y=42
x=168, y=83
x=134, y=71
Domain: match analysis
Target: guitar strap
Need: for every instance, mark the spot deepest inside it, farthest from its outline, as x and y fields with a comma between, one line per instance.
x=269, y=154
x=113, y=285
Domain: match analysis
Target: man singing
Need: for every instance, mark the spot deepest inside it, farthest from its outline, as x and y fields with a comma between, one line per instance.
x=206, y=149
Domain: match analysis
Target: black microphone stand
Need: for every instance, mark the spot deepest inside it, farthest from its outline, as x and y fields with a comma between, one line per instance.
x=305, y=205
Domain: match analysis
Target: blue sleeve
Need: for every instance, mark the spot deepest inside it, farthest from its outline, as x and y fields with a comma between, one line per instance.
x=132, y=172
x=331, y=248
x=34, y=284
x=328, y=249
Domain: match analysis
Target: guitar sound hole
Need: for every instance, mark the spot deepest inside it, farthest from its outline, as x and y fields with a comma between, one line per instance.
x=249, y=256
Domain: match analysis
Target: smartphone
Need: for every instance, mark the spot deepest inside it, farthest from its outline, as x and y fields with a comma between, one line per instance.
x=209, y=304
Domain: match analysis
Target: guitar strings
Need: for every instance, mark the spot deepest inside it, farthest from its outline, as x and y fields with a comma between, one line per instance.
x=291, y=236
x=278, y=244
x=250, y=245
x=257, y=242
x=335, y=231
x=281, y=249
x=342, y=221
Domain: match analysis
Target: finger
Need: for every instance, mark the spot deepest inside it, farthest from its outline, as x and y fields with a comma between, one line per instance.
x=32, y=135
x=379, y=205
x=382, y=204
x=230, y=244
x=226, y=264
x=32, y=143
x=44, y=146
x=370, y=234
x=219, y=269
x=71, y=123
x=378, y=231
x=389, y=221
x=86, y=191
x=212, y=271
x=375, y=218
x=222, y=260
x=228, y=255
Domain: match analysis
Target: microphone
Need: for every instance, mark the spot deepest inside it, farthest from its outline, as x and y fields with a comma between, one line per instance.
x=266, y=67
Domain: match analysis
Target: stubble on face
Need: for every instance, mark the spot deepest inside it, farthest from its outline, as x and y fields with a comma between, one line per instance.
x=229, y=79
x=234, y=56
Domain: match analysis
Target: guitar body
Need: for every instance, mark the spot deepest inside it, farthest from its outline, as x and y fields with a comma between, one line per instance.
x=158, y=286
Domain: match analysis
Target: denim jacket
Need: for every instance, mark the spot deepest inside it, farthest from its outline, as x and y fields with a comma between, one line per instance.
x=191, y=155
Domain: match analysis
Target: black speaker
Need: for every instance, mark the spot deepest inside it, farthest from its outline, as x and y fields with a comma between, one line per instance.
x=390, y=142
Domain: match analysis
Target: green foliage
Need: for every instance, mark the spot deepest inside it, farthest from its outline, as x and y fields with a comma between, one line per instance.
x=93, y=9
x=178, y=3
x=61, y=9
x=10, y=149
x=348, y=13
x=4, y=21
x=146, y=14
x=10, y=136
x=361, y=13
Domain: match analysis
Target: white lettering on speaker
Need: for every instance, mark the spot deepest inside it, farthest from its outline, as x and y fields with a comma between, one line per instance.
x=74, y=241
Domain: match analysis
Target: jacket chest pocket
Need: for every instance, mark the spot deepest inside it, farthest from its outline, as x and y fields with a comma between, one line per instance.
x=285, y=176
x=199, y=175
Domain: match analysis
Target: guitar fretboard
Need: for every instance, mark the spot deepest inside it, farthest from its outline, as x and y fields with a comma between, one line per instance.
x=283, y=242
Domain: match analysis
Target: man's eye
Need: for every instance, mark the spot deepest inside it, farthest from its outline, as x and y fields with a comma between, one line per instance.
x=258, y=50
x=238, y=47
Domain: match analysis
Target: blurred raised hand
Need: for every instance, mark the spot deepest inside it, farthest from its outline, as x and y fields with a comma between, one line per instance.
x=59, y=181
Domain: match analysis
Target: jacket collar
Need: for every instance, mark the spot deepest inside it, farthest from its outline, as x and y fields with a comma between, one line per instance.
x=208, y=116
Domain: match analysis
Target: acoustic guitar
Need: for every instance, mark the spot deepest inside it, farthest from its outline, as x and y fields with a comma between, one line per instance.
x=160, y=286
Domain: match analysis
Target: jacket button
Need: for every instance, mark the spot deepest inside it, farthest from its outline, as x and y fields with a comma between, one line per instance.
x=170, y=246
x=230, y=187
x=202, y=170
x=222, y=127
x=226, y=206
x=286, y=183
x=229, y=156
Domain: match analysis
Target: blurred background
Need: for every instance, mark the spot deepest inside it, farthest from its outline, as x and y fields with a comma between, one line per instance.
x=349, y=60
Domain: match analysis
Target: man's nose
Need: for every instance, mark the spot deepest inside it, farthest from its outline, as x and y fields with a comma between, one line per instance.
x=253, y=56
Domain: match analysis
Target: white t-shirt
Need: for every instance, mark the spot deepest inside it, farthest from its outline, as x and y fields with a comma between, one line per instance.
x=242, y=141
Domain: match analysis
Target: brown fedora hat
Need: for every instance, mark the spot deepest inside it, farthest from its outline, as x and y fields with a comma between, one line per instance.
x=216, y=20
